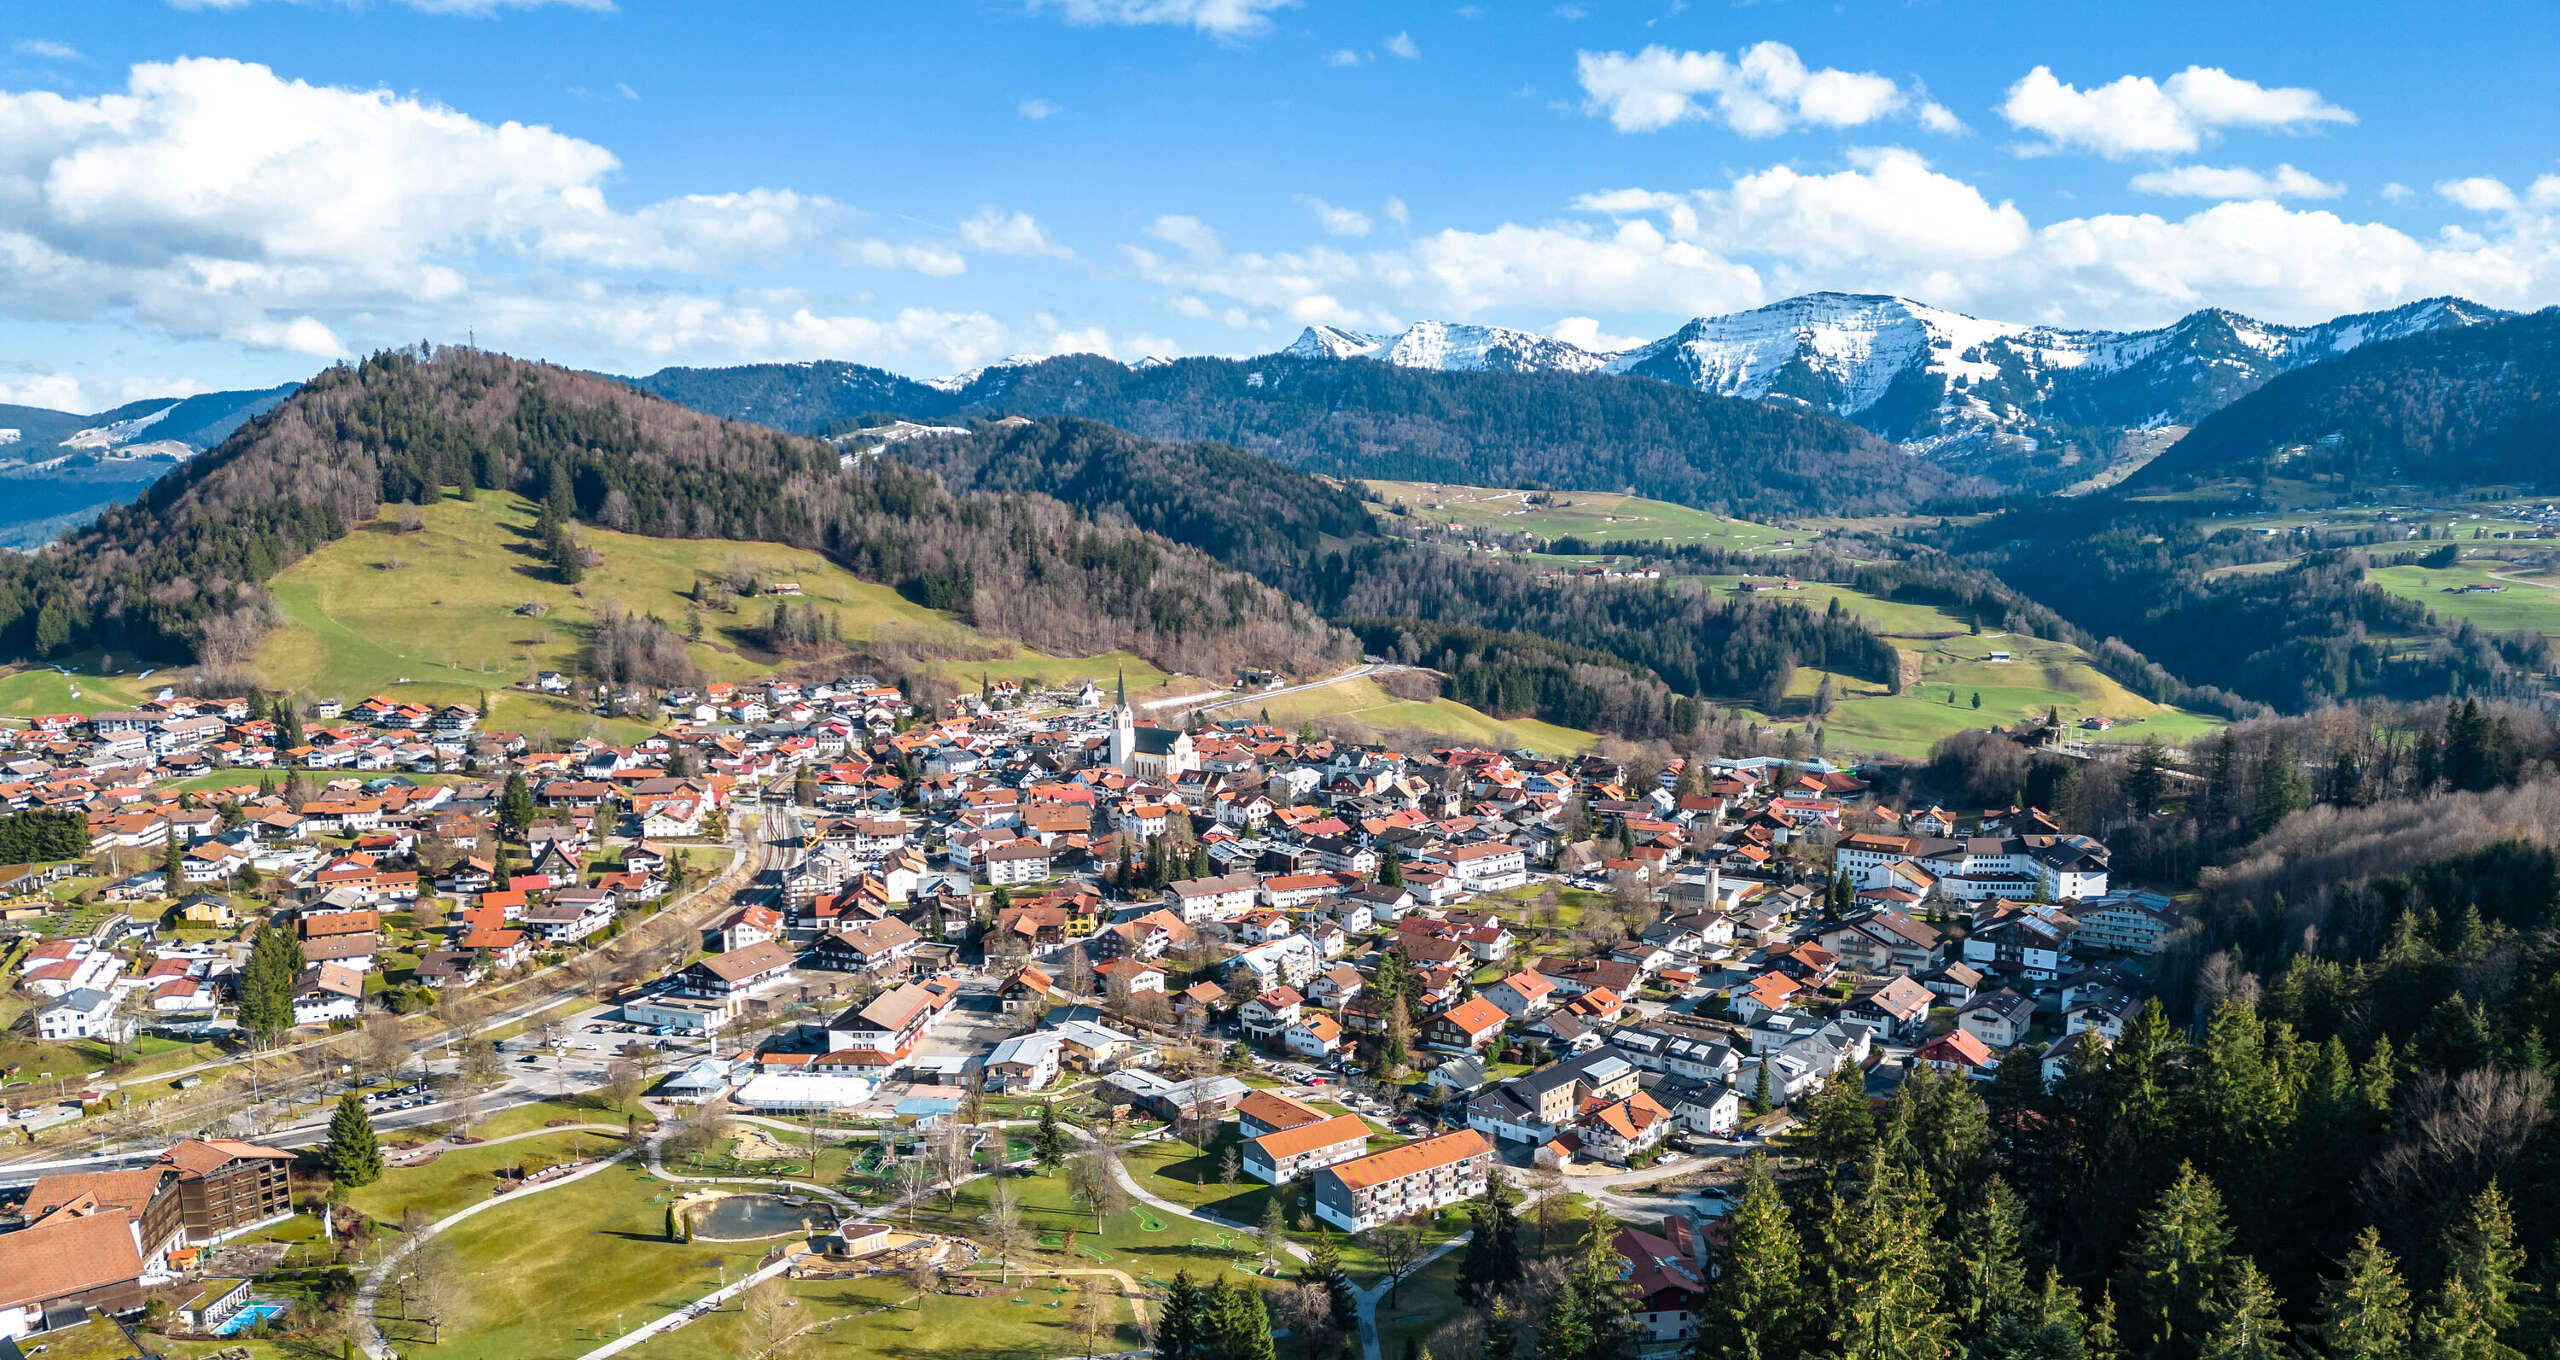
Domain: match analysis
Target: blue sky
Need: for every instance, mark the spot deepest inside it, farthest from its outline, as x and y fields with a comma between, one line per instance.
x=220, y=194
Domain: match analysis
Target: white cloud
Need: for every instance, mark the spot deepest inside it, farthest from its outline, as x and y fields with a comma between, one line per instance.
x=1940, y=119
x=2479, y=194
x=1584, y=332
x=1889, y=209
x=213, y=199
x=1888, y=221
x=1187, y=234
x=1343, y=56
x=1036, y=109
x=38, y=384
x=2396, y=192
x=47, y=48
x=1222, y=18
x=1002, y=233
x=2234, y=181
x=933, y=261
x=2136, y=115
x=1764, y=91
x=1336, y=221
x=1397, y=212
x=1402, y=45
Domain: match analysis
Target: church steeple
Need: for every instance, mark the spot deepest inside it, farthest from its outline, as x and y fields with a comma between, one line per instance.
x=1124, y=687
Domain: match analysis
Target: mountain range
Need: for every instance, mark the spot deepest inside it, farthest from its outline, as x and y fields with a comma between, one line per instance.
x=2036, y=407
x=57, y=468
x=2019, y=406
x=1525, y=429
x=2457, y=408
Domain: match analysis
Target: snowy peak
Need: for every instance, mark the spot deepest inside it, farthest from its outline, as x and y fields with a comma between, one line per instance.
x=1962, y=388
x=1449, y=347
x=1333, y=342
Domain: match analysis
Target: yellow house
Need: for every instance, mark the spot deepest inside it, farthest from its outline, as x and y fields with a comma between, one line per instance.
x=205, y=909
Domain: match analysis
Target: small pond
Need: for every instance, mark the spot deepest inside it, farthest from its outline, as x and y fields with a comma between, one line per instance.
x=740, y=1218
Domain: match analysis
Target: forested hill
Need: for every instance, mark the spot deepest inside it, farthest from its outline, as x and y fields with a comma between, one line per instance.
x=799, y=398
x=1243, y=509
x=1516, y=638
x=1562, y=430
x=179, y=573
x=2465, y=406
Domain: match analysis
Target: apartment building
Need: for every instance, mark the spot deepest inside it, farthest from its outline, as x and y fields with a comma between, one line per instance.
x=1418, y=1178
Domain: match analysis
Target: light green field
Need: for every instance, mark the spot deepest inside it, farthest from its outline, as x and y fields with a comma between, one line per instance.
x=464, y=1176
x=355, y=624
x=879, y=1315
x=443, y=624
x=1363, y=701
x=557, y=1273
x=37, y=690
x=2523, y=601
x=1593, y=515
x=1942, y=656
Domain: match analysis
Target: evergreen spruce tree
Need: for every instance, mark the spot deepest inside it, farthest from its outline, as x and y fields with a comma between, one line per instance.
x=1841, y=1126
x=1182, y=1322
x=352, y=1155
x=1498, y=1343
x=2482, y=1258
x=2250, y=1322
x=2180, y=1264
x=1759, y=1307
x=1987, y=1281
x=515, y=806
x=1324, y=1270
x=1491, y=1260
x=2101, y=1341
x=2364, y=1314
x=1049, y=1141
x=2455, y=1327
x=266, y=984
x=1880, y=1260
x=1236, y=1325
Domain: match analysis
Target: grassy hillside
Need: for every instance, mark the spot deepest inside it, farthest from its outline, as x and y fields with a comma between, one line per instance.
x=1943, y=658
x=465, y=604
x=1594, y=515
x=2502, y=596
x=1364, y=702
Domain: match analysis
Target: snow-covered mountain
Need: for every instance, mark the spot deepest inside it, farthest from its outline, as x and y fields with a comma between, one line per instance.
x=2027, y=403
x=1450, y=347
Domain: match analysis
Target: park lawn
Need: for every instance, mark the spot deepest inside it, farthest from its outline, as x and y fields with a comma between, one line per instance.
x=460, y=1177
x=1597, y=516
x=1364, y=702
x=1125, y=1242
x=878, y=1315
x=554, y=1274
x=539, y=1114
x=1169, y=1168
x=36, y=1060
x=2518, y=605
x=1363, y=1261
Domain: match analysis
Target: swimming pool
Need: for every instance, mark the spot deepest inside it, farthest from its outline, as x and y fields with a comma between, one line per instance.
x=250, y=1315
